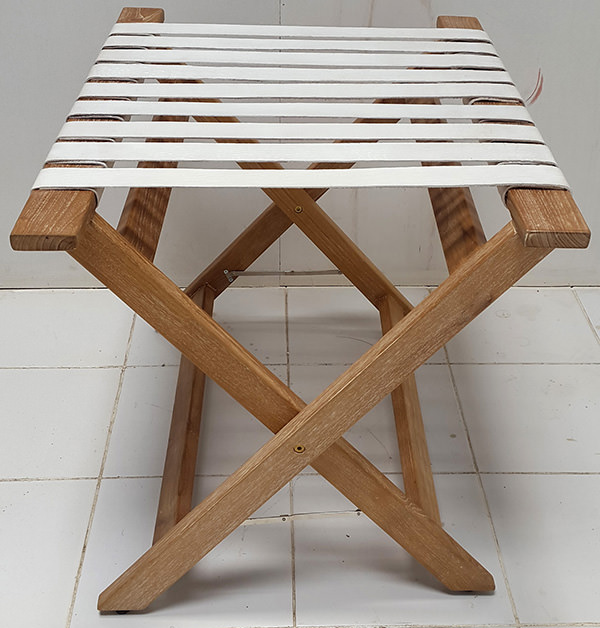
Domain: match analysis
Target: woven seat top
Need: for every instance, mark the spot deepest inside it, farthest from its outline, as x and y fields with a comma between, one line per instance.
x=278, y=98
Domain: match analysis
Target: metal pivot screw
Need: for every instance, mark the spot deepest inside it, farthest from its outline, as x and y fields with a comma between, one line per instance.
x=299, y=449
x=298, y=209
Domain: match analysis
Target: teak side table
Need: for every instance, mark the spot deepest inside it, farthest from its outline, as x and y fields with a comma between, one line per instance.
x=435, y=106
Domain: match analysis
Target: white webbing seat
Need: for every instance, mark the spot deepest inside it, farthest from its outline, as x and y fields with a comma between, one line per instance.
x=295, y=87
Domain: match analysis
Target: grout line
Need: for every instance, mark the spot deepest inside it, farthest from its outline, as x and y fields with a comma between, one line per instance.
x=100, y=474
x=287, y=338
x=431, y=286
x=291, y=483
x=104, y=367
x=587, y=316
x=485, y=499
x=291, y=363
x=302, y=474
x=479, y=625
x=292, y=519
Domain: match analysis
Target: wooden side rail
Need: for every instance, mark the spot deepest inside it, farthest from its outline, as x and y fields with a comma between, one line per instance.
x=52, y=220
x=542, y=218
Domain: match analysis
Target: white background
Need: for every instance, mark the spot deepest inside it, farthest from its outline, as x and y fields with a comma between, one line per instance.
x=48, y=47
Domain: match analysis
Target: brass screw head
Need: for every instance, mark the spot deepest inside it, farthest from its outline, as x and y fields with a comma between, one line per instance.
x=298, y=209
x=299, y=449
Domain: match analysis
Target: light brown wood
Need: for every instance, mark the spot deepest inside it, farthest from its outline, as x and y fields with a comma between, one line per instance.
x=459, y=21
x=254, y=240
x=490, y=271
x=456, y=216
x=336, y=245
x=52, y=220
x=301, y=208
x=455, y=213
x=548, y=218
x=414, y=453
x=271, y=224
x=543, y=218
x=182, y=450
x=145, y=208
x=129, y=275
x=140, y=14
x=458, y=223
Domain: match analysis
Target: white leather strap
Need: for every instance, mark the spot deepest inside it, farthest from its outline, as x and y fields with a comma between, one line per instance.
x=302, y=152
x=298, y=131
x=506, y=113
x=318, y=59
x=410, y=176
x=245, y=43
x=274, y=30
x=289, y=74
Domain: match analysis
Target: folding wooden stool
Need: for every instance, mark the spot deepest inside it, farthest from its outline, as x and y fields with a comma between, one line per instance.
x=444, y=115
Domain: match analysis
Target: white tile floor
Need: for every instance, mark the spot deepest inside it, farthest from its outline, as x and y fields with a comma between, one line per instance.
x=512, y=414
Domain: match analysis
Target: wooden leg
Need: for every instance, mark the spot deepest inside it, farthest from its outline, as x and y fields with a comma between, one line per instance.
x=414, y=454
x=490, y=271
x=182, y=450
x=144, y=288
x=244, y=250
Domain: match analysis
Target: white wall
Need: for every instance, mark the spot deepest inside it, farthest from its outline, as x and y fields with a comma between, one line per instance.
x=48, y=47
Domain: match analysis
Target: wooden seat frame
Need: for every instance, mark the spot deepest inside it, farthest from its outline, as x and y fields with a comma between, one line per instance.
x=480, y=271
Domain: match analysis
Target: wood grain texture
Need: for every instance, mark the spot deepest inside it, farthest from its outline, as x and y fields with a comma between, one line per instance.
x=52, y=220
x=144, y=210
x=140, y=14
x=456, y=216
x=542, y=217
x=177, y=485
x=458, y=21
x=336, y=245
x=320, y=229
x=414, y=453
x=548, y=218
x=458, y=223
x=270, y=225
x=489, y=272
x=455, y=213
x=144, y=288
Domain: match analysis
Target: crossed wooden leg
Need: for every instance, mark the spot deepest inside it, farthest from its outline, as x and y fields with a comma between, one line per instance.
x=486, y=274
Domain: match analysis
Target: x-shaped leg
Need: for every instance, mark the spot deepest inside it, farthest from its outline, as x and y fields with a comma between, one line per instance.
x=491, y=270
x=290, y=206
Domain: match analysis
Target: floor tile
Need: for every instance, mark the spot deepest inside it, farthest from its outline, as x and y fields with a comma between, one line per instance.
x=528, y=325
x=336, y=325
x=244, y=581
x=62, y=328
x=350, y=572
x=55, y=421
x=42, y=530
x=547, y=528
x=229, y=434
x=255, y=317
x=149, y=348
x=590, y=299
x=375, y=434
x=532, y=417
